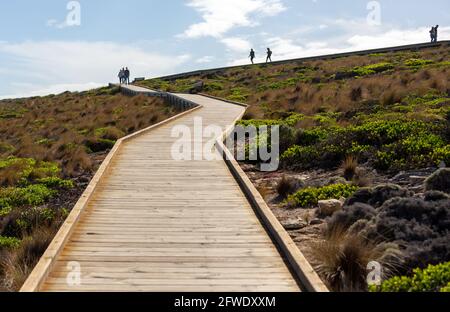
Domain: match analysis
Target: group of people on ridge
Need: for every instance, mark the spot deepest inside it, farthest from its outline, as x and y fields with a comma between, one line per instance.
x=253, y=55
x=434, y=33
x=124, y=76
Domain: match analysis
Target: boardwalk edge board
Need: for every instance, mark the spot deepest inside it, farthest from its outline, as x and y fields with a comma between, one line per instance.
x=45, y=264
x=303, y=270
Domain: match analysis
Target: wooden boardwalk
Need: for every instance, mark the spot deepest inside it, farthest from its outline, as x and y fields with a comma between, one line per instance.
x=157, y=224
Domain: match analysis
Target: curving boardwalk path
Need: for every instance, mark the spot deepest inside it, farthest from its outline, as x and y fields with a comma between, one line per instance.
x=156, y=224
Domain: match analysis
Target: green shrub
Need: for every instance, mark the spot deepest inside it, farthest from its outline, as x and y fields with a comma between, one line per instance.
x=24, y=170
x=313, y=136
x=55, y=182
x=446, y=289
x=417, y=63
x=213, y=86
x=441, y=154
x=32, y=195
x=372, y=69
x=24, y=223
x=432, y=279
x=290, y=121
x=9, y=242
x=300, y=156
x=310, y=197
x=239, y=94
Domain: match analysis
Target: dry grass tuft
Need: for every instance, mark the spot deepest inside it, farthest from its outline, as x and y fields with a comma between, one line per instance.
x=287, y=186
x=342, y=260
x=17, y=264
x=350, y=167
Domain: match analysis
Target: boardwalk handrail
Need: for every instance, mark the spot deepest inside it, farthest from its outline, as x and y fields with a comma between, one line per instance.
x=179, y=102
x=45, y=264
x=417, y=46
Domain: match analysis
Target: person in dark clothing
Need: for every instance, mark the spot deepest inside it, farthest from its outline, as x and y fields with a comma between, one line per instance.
x=121, y=75
x=269, y=55
x=127, y=76
x=432, y=32
x=252, y=55
x=436, y=33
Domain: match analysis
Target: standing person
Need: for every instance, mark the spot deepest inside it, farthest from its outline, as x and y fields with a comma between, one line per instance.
x=252, y=55
x=436, y=33
x=121, y=74
x=269, y=55
x=127, y=76
x=432, y=33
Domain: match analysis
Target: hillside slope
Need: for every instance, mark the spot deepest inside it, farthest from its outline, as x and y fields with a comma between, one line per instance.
x=50, y=147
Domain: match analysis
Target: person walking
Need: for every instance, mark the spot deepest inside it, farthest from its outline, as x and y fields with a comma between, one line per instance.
x=269, y=55
x=252, y=56
x=127, y=76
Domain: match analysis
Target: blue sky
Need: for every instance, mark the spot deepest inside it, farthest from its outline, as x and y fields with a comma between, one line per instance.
x=41, y=53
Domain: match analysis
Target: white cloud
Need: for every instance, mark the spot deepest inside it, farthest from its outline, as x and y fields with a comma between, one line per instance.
x=35, y=90
x=205, y=59
x=80, y=63
x=236, y=44
x=220, y=16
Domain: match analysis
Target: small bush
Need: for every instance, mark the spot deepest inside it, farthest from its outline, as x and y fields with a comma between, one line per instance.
x=310, y=197
x=18, y=263
x=58, y=183
x=99, y=145
x=25, y=222
x=214, y=86
x=420, y=226
x=417, y=63
x=342, y=259
x=349, y=167
x=372, y=69
x=22, y=171
x=288, y=186
x=32, y=195
x=9, y=242
x=432, y=279
x=348, y=216
x=439, y=181
x=378, y=195
x=6, y=148
x=109, y=133
x=440, y=155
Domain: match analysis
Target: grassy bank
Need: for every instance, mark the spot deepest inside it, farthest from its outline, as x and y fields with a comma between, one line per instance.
x=50, y=147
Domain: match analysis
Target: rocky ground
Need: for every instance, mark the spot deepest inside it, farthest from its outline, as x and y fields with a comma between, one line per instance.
x=306, y=226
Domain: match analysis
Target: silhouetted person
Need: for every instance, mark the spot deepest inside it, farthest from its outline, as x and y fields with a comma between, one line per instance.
x=269, y=55
x=121, y=75
x=127, y=76
x=252, y=55
x=436, y=33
